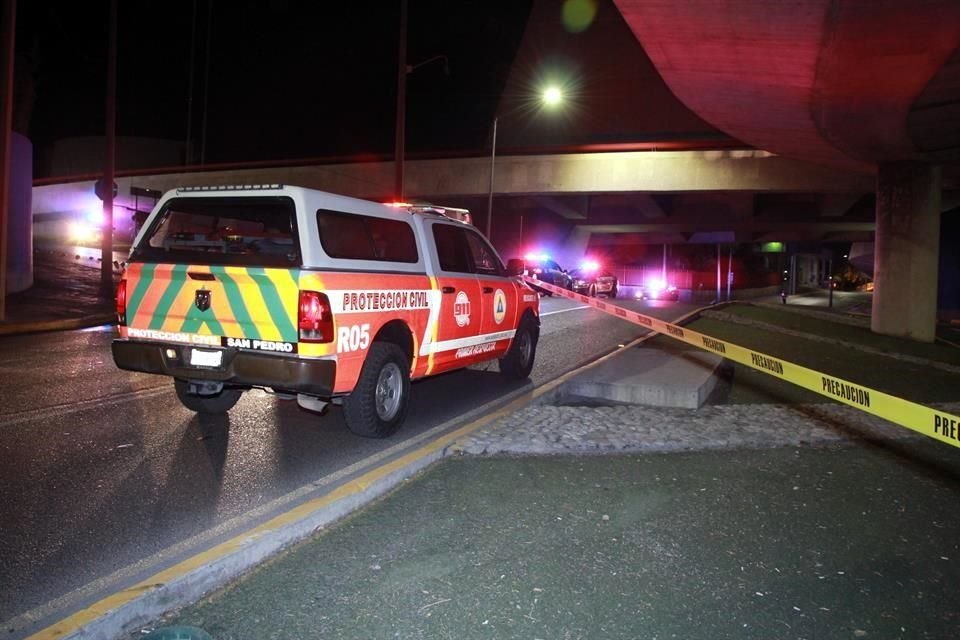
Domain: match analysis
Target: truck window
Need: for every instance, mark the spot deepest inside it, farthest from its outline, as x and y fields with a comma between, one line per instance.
x=254, y=231
x=485, y=260
x=453, y=251
x=358, y=237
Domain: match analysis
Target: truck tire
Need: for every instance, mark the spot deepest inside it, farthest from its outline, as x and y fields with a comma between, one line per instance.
x=517, y=363
x=217, y=403
x=379, y=403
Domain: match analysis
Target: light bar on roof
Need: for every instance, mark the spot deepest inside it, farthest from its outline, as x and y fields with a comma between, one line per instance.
x=229, y=187
x=455, y=213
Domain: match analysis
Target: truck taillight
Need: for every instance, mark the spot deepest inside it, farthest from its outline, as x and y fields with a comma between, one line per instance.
x=315, y=318
x=122, y=302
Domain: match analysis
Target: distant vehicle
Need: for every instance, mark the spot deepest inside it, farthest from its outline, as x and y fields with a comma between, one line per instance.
x=658, y=290
x=593, y=280
x=542, y=267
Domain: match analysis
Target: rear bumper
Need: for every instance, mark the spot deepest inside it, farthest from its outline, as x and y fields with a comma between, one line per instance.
x=240, y=368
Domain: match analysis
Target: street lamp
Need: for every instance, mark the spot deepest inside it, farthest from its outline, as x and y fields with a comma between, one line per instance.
x=551, y=97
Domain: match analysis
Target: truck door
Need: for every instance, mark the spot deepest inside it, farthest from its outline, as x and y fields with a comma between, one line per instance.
x=498, y=295
x=458, y=325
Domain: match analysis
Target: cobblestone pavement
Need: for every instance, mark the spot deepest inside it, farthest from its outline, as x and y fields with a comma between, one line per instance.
x=550, y=429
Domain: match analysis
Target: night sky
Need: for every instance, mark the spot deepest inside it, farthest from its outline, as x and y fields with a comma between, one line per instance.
x=287, y=79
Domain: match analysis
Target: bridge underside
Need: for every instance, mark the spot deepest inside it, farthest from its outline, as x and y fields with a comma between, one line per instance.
x=617, y=198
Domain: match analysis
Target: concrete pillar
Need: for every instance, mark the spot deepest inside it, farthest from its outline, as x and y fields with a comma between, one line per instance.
x=906, y=250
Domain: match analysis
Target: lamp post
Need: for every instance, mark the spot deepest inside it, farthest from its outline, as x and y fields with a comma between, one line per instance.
x=400, y=131
x=493, y=159
x=552, y=96
x=403, y=70
x=109, y=164
x=401, y=137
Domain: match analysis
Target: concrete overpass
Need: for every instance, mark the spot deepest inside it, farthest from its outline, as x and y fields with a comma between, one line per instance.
x=671, y=197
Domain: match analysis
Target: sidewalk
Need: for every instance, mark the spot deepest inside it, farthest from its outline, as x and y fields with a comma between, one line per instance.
x=767, y=515
x=65, y=295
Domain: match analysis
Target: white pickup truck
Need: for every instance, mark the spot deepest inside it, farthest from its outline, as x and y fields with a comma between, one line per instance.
x=307, y=293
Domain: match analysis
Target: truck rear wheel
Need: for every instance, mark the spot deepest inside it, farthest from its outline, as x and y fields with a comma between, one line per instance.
x=215, y=403
x=517, y=363
x=378, y=405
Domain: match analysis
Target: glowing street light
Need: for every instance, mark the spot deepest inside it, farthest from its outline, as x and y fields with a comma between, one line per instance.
x=552, y=96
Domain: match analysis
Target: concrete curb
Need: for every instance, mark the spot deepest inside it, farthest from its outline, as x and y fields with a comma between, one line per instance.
x=67, y=324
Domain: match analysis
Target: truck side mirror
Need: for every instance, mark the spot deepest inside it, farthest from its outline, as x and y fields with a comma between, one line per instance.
x=516, y=267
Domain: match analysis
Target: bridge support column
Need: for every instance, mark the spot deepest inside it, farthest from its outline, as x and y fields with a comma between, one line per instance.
x=906, y=251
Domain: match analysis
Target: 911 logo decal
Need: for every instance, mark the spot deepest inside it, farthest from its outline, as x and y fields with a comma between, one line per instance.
x=461, y=309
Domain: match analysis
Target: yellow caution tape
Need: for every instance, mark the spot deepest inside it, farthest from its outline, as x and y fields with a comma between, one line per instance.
x=934, y=423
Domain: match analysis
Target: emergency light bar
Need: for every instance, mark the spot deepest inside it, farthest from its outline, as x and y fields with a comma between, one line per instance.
x=456, y=213
x=230, y=187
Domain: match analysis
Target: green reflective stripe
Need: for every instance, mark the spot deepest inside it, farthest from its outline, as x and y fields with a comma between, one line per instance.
x=196, y=319
x=143, y=285
x=177, y=278
x=294, y=277
x=271, y=297
x=235, y=298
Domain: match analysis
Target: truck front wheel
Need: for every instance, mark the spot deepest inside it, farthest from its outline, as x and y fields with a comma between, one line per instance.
x=378, y=405
x=517, y=363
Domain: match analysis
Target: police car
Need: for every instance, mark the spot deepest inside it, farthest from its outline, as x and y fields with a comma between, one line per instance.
x=315, y=295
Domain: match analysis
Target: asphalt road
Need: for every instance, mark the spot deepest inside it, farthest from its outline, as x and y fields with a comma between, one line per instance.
x=106, y=474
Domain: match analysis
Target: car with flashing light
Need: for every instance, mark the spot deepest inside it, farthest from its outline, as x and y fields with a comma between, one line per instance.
x=315, y=296
x=658, y=289
x=591, y=279
x=540, y=266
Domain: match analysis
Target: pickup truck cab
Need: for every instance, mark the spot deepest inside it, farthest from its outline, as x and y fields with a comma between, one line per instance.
x=310, y=294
